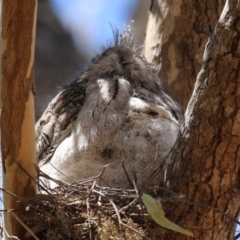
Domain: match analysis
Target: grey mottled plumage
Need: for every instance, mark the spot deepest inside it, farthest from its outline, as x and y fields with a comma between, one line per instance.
x=116, y=110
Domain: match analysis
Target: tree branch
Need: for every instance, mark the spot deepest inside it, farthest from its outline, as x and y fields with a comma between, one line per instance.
x=17, y=118
x=206, y=164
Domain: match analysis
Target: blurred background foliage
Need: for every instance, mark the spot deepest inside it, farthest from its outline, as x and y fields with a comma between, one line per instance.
x=70, y=32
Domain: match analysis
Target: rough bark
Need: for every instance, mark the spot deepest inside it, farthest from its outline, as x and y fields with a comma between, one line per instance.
x=17, y=118
x=207, y=156
x=177, y=32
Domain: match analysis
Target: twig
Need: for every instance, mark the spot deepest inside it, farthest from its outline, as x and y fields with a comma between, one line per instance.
x=61, y=172
x=160, y=165
x=151, y=172
x=88, y=211
x=24, y=225
x=20, y=166
x=10, y=193
x=126, y=173
x=118, y=215
x=89, y=223
x=6, y=210
x=127, y=206
x=114, y=206
x=237, y=236
x=141, y=205
x=132, y=229
x=99, y=176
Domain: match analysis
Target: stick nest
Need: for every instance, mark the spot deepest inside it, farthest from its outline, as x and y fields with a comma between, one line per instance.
x=86, y=210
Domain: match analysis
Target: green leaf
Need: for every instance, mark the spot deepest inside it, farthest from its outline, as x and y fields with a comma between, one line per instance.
x=158, y=216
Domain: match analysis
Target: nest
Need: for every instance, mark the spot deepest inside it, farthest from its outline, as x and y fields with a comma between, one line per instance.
x=87, y=210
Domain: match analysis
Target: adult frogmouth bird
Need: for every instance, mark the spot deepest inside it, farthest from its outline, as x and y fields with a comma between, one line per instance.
x=116, y=110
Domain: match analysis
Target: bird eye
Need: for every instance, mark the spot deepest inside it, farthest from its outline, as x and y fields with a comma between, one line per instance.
x=152, y=113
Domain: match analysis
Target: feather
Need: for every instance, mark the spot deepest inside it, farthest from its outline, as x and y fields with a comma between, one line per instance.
x=117, y=96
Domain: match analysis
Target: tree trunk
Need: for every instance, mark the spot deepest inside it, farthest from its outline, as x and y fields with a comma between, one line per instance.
x=177, y=32
x=17, y=118
x=207, y=155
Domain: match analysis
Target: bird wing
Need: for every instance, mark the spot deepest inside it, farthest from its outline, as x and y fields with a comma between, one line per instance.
x=56, y=122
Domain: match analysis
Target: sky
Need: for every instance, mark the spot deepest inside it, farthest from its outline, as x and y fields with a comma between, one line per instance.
x=89, y=22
